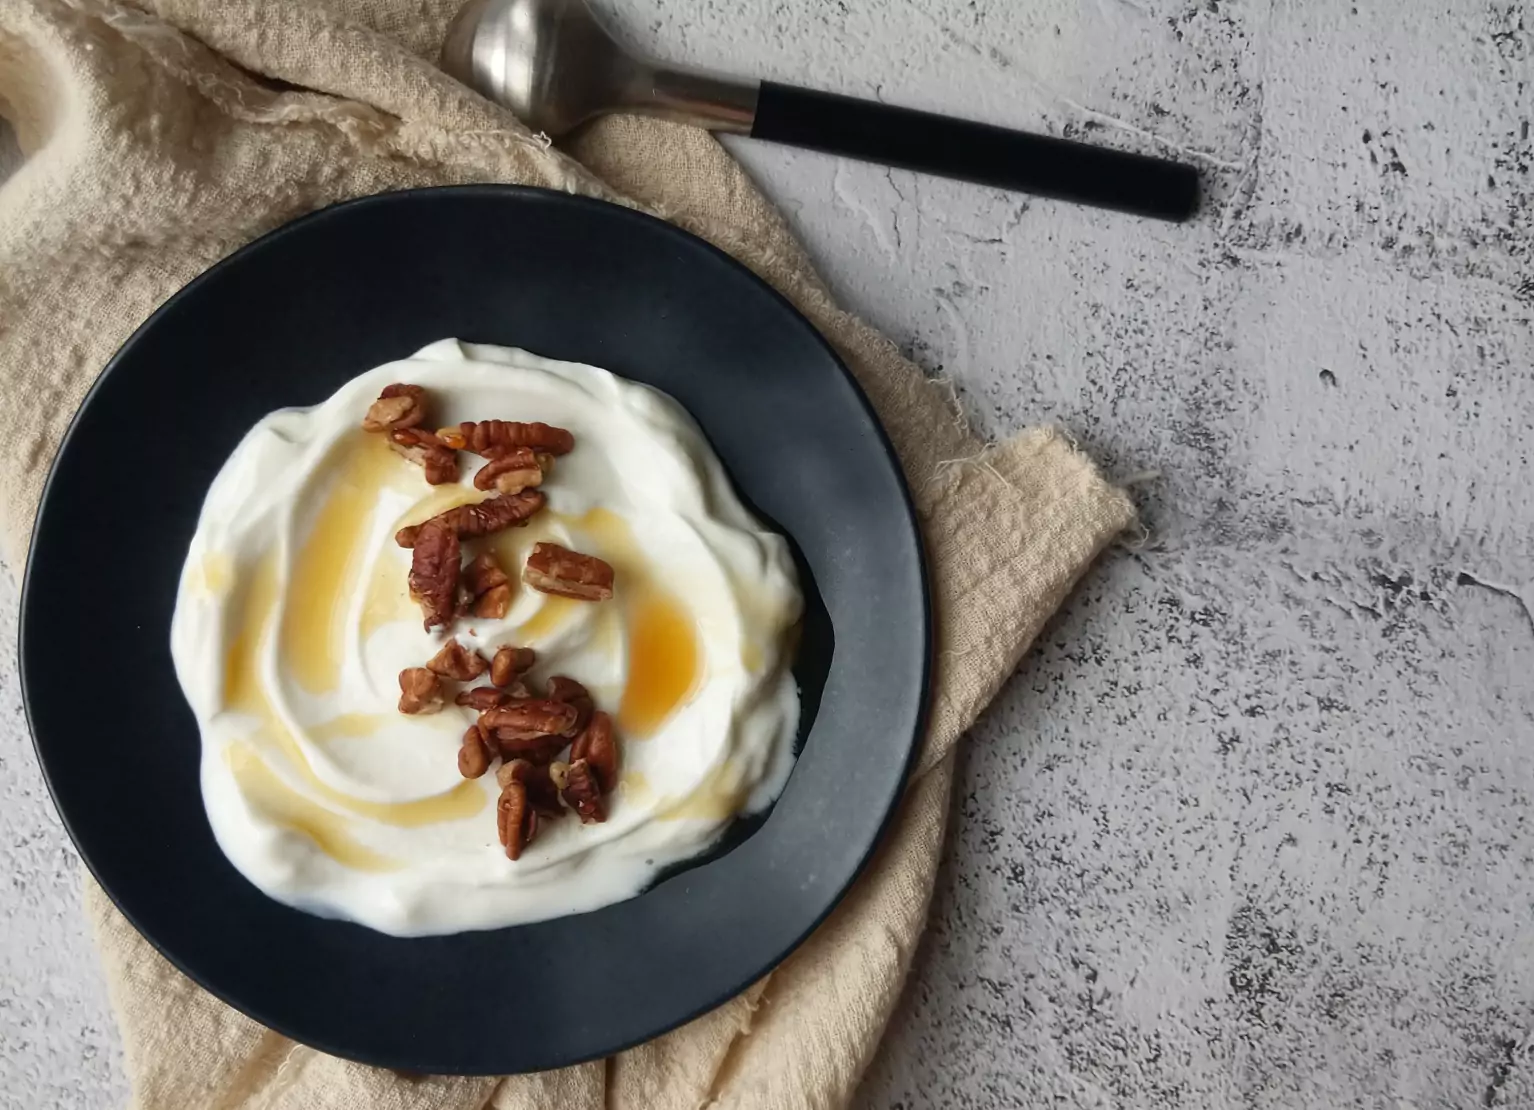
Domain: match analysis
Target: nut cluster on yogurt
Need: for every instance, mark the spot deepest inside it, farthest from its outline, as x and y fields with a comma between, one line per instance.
x=525, y=732
x=589, y=635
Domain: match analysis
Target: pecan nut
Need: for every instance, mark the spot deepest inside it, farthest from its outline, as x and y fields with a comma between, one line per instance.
x=457, y=661
x=492, y=438
x=483, y=573
x=573, y=693
x=512, y=472
x=557, y=570
x=420, y=691
x=488, y=587
x=535, y=749
x=399, y=406
x=434, y=572
x=481, y=698
x=516, y=821
x=583, y=794
x=428, y=452
x=542, y=794
x=511, y=510
x=509, y=662
x=474, y=755
x=493, y=604
x=597, y=747
x=531, y=720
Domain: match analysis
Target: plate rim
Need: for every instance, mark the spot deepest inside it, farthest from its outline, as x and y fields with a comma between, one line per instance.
x=512, y=193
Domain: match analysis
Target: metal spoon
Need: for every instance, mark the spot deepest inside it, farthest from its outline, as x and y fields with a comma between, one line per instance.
x=554, y=65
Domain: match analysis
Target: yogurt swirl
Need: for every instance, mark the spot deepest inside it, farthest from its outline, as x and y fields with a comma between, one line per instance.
x=293, y=622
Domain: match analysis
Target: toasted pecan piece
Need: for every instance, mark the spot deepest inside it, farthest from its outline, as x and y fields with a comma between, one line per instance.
x=534, y=749
x=493, y=514
x=541, y=792
x=492, y=438
x=459, y=662
x=557, y=570
x=571, y=692
x=428, y=452
x=420, y=691
x=474, y=755
x=434, y=572
x=512, y=472
x=597, y=747
x=488, y=587
x=583, y=793
x=481, y=698
x=493, y=604
x=509, y=662
x=529, y=720
x=483, y=573
x=516, y=822
x=510, y=510
x=400, y=405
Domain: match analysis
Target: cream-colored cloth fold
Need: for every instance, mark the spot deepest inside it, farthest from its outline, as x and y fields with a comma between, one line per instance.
x=160, y=138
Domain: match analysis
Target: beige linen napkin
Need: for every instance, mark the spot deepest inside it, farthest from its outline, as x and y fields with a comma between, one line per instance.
x=162, y=137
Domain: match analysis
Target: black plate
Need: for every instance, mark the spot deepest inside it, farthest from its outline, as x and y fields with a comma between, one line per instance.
x=286, y=321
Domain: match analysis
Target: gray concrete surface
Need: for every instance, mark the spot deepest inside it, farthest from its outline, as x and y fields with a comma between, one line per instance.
x=1251, y=826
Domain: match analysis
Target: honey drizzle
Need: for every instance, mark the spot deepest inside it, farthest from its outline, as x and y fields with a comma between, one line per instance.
x=665, y=658
x=245, y=693
x=329, y=563
x=266, y=792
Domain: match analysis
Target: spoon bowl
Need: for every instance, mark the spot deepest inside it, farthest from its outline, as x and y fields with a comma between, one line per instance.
x=554, y=65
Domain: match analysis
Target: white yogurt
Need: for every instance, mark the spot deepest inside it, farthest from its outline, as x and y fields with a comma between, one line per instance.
x=293, y=622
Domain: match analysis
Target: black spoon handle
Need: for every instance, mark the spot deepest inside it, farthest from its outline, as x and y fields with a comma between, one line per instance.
x=978, y=152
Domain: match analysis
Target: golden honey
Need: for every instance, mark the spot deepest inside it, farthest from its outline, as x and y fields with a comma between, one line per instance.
x=349, y=726
x=664, y=670
x=387, y=597
x=269, y=794
x=717, y=798
x=330, y=561
x=665, y=658
x=245, y=693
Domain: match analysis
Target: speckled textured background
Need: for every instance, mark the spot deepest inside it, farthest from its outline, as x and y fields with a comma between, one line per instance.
x=1251, y=826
